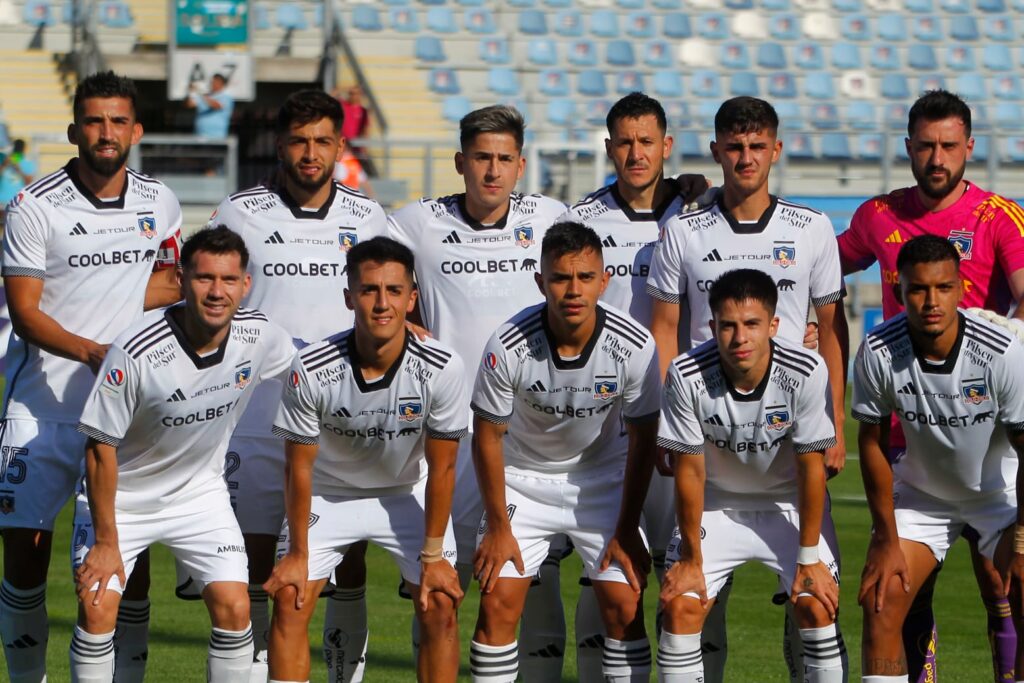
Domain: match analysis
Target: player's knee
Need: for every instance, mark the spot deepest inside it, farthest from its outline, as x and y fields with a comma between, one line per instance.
x=440, y=616
x=810, y=613
x=683, y=615
x=100, y=618
x=496, y=619
x=619, y=616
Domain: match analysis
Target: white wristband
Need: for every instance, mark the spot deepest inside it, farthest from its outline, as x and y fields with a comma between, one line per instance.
x=807, y=555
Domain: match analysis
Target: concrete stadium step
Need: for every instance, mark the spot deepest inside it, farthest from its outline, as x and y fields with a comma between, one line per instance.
x=35, y=104
x=150, y=20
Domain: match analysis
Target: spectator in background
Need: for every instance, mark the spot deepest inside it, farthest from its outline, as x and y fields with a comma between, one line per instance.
x=356, y=125
x=213, y=109
x=349, y=172
x=15, y=173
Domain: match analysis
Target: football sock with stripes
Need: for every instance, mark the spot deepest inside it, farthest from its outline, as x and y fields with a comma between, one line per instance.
x=24, y=629
x=679, y=658
x=714, y=641
x=230, y=656
x=542, y=629
x=626, y=661
x=822, y=649
x=92, y=657
x=1002, y=637
x=589, y=634
x=884, y=679
x=346, y=635
x=259, y=617
x=131, y=641
x=494, y=663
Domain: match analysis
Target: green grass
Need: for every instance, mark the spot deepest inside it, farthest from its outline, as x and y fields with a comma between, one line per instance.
x=179, y=630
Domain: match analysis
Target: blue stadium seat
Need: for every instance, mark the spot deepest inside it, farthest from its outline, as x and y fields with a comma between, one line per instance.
x=668, y=4
x=522, y=4
x=690, y=146
x=1014, y=148
x=739, y=4
x=991, y=6
x=503, y=81
x=1008, y=116
x=677, y=113
x=861, y=115
x=705, y=83
x=455, y=107
x=396, y=3
x=553, y=82
x=595, y=112
x=782, y=85
x=775, y=5
x=569, y=23
x=366, y=18
x=557, y=4
x=582, y=52
x=1007, y=87
x=494, y=50
x=847, y=5
x=479, y=20
x=922, y=57
x=996, y=57
x=443, y=81
x=979, y=118
x=819, y=85
x=855, y=27
x=963, y=28
x=790, y=115
x=289, y=16
x=432, y=2
x=784, y=27
x=604, y=24
x=835, y=147
x=561, y=112
x=800, y=146
x=846, y=56
x=999, y=28
x=808, y=56
x=706, y=110
x=629, y=81
x=885, y=58
x=115, y=14
x=869, y=146
x=771, y=56
x=657, y=53
x=676, y=25
x=892, y=28
x=955, y=6
x=630, y=4
x=640, y=25
x=713, y=26
x=927, y=28
x=441, y=20
x=960, y=58
x=668, y=84
x=734, y=56
x=895, y=117
x=918, y=6
x=591, y=83
x=981, y=149
x=533, y=22
x=824, y=116
x=541, y=52
x=1017, y=5
x=971, y=87
x=895, y=87
x=404, y=20
x=428, y=49
x=471, y=3
x=620, y=53
x=743, y=83
x=931, y=82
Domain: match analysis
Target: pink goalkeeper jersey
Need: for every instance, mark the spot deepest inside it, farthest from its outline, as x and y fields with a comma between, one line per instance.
x=987, y=230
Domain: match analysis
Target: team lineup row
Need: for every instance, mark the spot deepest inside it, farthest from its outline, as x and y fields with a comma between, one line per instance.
x=565, y=399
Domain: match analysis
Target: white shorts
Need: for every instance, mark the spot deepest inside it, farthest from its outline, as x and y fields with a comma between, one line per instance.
x=43, y=463
x=731, y=538
x=586, y=509
x=395, y=523
x=659, y=519
x=254, y=471
x=202, y=534
x=937, y=523
x=467, y=506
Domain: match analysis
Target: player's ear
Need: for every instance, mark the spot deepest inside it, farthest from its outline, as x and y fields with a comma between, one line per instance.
x=608, y=148
x=666, y=150
x=72, y=134
x=136, y=132
x=714, y=151
x=777, y=151
x=342, y=144
x=246, y=285
x=605, y=277
x=413, y=297
x=348, y=300
x=540, y=283
x=460, y=159
x=773, y=327
x=714, y=328
x=522, y=166
x=898, y=293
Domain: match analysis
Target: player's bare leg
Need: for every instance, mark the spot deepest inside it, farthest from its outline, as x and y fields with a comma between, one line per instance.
x=627, y=653
x=260, y=549
x=230, y=652
x=493, y=654
x=1002, y=635
x=346, y=632
x=289, y=632
x=131, y=637
x=438, y=659
x=820, y=642
x=679, y=647
x=24, y=627
x=1003, y=561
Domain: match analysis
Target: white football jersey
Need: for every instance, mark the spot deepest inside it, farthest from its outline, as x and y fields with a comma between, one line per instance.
x=628, y=238
x=169, y=412
x=94, y=258
x=371, y=434
x=794, y=244
x=297, y=263
x=749, y=441
x=474, y=277
x=566, y=415
x=955, y=415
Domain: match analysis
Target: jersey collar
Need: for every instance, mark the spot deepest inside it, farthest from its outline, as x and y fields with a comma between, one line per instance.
x=588, y=349
x=201, y=362
x=71, y=168
x=758, y=392
x=477, y=225
x=645, y=217
x=385, y=381
x=954, y=353
x=297, y=211
x=748, y=228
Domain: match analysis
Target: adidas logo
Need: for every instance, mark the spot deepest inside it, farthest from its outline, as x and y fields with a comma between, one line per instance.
x=452, y=238
x=176, y=396
x=79, y=229
x=907, y=388
x=714, y=420
x=608, y=241
x=26, y=641
x=537, y=386
x=713, y=255
x=274, y=239
x=341, y=412
x=894, y=238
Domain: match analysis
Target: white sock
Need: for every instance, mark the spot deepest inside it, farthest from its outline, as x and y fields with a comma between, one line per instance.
x=589, y=634
x=230, y=656
x=714, y=640
x=92, y=657
x=259, y=617
x=542, y=629
x=346, y=635
x=679, y=658
x=625, y=661
x=493, y=663
x=24, y=629
x=822, y=663
x=884, y=679
x=131, y=641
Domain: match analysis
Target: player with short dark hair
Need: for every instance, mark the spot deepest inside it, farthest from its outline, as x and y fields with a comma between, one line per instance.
x=953, y=381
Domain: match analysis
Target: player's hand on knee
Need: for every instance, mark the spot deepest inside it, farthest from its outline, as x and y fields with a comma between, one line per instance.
x=884, y=562
x=1013, y=581
x=291, y=571
x=101, y=563
x=497, y=547
x=439, y=577
x=811, y=336
x=1012, y=324
x=683, y=577
x=627, y=549
x=816, y=580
